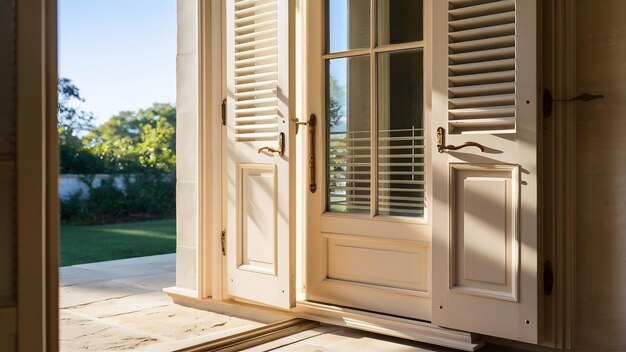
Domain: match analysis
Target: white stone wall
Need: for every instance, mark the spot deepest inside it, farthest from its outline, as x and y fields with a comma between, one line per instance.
x=187, y=145
x=70, y=184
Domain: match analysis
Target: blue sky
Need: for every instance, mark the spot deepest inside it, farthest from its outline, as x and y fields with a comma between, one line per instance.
x=121, y=54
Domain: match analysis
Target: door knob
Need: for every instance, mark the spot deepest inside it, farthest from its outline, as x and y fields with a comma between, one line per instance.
x=442, y=147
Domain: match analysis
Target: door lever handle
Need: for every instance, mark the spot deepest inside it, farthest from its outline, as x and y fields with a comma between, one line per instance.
x=281, y=146
x=442, y=147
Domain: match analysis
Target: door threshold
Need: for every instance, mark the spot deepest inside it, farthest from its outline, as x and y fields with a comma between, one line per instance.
x=255, y=337
x=405, y=328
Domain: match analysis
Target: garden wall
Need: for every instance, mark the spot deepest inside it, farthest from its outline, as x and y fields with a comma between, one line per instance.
x=71, y=183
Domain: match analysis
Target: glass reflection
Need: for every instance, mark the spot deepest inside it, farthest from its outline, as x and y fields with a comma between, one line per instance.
x=347, y=25
x=349, y=135
x=401, y=134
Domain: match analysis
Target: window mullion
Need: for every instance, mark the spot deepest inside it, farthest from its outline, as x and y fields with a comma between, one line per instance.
x=373, y=112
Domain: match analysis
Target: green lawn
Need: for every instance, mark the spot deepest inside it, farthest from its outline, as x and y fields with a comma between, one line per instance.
x=88, y=244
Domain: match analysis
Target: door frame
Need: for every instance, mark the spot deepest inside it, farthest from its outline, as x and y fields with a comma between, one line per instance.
x=559, y=165
x=37, y=177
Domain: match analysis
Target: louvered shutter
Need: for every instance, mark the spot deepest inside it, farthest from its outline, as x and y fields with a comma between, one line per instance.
x=485, y=222
x=256, y=70
x=260, y=150
x=481, y=66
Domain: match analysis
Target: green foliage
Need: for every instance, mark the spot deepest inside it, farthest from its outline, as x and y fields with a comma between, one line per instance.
x=146, y=196
x=140, y=145
x=336, y=101
x=142, y=141
x=73, y=156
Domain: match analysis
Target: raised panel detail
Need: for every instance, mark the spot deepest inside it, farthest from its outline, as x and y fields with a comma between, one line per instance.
x=388, y=264
x=484, y=219
x=258, y=218
x=484, y=225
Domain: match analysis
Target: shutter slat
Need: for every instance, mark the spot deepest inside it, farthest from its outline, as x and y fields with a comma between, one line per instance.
x=488, y=100
x=482, y=67
x=483, y=32
x=482, y=21
x=483, y=78
x=483, y=44
x=484, y=9
x=482, y=89
x=256, y=127
x=483, y=55
x=255, y=119
x=506, y=111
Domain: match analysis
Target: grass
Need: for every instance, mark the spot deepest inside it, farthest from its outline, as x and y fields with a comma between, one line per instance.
x=88, y=244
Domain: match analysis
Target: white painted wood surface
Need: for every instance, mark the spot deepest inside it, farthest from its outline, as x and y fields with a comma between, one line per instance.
x=260, y=184
x=492, y=234
x=363, y=261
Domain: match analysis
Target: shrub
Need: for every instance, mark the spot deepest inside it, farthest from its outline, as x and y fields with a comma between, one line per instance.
x=146, y=196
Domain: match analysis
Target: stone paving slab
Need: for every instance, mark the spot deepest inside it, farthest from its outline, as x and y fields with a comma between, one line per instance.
x=119, y=305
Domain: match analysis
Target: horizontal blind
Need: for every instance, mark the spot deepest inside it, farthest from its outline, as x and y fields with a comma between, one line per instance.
x=401, y=172
x=349, y=171
x=481, y=66
x=256, y=70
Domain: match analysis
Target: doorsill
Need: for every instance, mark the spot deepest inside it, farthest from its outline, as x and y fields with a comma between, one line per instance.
x=387, y=325
x=351, y=318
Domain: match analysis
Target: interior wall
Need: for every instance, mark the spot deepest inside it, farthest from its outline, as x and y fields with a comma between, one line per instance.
x=7, y=174
x=600, y=314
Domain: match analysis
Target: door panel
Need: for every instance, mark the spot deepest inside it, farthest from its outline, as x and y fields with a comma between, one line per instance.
x=368, y=234
x=485, y=222
x=260, y=150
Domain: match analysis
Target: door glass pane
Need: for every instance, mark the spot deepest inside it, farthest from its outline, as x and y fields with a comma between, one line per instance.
x=349, y=135
x=400, y=21
x=347, y=25
x=401, y=134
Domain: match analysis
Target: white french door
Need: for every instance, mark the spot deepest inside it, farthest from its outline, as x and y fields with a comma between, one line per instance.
x=260, y=150
x=368, y=228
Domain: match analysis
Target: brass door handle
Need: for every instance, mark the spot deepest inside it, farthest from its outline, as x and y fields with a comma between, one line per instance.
x=311, y=124
x=281, y=146
x=442, y=147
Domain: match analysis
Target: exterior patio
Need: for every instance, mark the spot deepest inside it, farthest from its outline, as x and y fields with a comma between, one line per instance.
x=119, y=305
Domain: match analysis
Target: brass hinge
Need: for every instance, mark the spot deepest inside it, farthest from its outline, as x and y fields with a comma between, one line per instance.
x=548, y=278
x=224, y=242
x=224, y=112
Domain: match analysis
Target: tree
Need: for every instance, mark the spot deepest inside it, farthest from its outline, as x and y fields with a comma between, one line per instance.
x=336, y=101
x=137, y=142
x=73, y=156
x=71, y=118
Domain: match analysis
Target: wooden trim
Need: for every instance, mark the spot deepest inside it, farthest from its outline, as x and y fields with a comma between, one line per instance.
x=559, y=61
x=387, y=325
x=213, y=140
x=37, y=161
x=52, y=236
